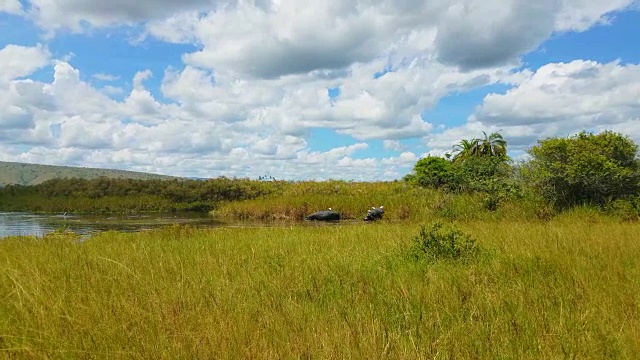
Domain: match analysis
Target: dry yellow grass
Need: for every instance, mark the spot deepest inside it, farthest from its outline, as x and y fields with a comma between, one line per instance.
x=569, y=288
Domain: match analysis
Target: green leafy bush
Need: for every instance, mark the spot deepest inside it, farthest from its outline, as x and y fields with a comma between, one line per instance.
x=479, y=165
x=440, y=242
x=585, y=169
x=627, y=209
x=431, y=172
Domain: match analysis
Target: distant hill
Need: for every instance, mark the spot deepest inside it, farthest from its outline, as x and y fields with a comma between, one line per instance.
x=32, y=174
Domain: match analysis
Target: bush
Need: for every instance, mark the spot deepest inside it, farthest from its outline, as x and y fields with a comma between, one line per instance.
x=431, y=172
x=585, y=169
x=440, y=242
x=627, y=209
x=479, y=174
x=490, y=175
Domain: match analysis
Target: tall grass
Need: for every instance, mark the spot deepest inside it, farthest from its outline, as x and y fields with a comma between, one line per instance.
x=568, y=288
x=401, y=201
x=243, y=199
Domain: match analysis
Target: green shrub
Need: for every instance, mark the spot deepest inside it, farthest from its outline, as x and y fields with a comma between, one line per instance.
x=431, y=172
x=440, y=242
x=491, y=201
x=625, y=209
x=585, y=169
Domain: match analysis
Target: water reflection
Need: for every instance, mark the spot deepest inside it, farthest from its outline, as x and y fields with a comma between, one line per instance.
x=29, y=224
x=12, y=224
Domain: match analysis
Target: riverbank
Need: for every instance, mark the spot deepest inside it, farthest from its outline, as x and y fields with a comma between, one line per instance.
x=563, y=288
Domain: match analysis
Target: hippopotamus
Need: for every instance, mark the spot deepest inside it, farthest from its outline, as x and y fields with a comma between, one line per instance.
x=324, y=215
x=374, y=214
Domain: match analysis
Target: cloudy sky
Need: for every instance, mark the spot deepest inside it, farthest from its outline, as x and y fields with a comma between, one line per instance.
x=333, y=89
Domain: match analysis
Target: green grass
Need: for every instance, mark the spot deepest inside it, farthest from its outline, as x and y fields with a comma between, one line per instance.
x=567, y=288
x=352, y=200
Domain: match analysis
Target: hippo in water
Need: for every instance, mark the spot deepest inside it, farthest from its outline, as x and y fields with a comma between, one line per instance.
x=374, y=214
x=324, y=215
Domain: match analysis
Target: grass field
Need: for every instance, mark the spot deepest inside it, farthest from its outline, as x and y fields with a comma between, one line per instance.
x=566, y=288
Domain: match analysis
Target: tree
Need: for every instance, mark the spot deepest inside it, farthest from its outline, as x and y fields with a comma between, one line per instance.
x=432, y=171
x=465, y=149
x=585, y=169
x=492, y=145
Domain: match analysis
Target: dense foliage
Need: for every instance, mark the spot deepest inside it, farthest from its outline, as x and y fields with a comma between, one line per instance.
x=585, y=169
x=432, y=172
x=477, y=166
x=122, y=195
x=594, y=169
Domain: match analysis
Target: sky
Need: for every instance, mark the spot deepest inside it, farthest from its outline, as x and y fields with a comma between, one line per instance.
x=354, y=90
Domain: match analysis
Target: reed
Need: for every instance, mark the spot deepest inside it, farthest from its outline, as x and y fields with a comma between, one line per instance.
x=352, y=200
x=565, y=288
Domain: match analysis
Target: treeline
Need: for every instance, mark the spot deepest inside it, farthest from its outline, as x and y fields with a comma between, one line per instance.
x=599, y=170
x=129, y=195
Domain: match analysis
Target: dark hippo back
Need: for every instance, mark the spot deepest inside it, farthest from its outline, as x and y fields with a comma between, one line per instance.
x=325, y=215
x=374, y=214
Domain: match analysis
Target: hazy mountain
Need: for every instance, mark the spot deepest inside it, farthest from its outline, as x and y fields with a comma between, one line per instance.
x=31, y=174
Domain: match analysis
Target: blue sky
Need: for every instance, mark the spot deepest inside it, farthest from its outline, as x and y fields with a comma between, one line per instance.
x=337, y=90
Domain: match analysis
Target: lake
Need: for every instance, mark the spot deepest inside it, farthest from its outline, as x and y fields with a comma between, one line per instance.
x=30, y=224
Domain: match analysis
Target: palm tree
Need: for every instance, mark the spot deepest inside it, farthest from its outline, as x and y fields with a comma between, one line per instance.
x=492, y=145
x=465, y=149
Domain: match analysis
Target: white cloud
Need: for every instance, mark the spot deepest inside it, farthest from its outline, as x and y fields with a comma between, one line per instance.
x=141, y=133
x=580, y=15
x=407, y=158
x=290, y=38
x=579, y=93
x=268, y=39
x=392, y=145
x=273, y=39
x=19, y=98
x=247, y=98
x=179, y=28
x=105, y=77
x=483, y=33
x=56, y=14
x=203, y=135
x=559, y=99
x=111, y=90
x=18, y=61
x=10, y=7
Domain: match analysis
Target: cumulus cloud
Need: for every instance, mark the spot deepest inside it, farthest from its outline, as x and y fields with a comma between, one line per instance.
x=579, y=15
x=19, y=98
x=289, y=38
x=55, y=14
x=476, y=34
x=268, y=39
x=17, y=61
x=273, y=39
x=576, y=94
x=142, y=133
x=559, y=99
x=265, y=73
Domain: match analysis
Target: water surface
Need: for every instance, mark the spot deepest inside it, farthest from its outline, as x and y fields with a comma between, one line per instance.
x=31, y=224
